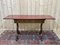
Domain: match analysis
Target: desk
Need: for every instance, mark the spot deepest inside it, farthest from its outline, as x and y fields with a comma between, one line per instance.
x=29, y=19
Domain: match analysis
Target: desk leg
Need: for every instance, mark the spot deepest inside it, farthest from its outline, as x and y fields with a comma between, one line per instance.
x=41, y=30
x=17, y=32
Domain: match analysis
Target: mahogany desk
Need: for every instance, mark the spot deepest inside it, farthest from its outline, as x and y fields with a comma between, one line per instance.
x=29, y=19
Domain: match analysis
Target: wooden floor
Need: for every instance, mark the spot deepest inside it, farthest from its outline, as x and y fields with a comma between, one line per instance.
x=29, y=38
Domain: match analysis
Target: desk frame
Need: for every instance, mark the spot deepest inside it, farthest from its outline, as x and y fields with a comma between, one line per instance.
x=17, y=21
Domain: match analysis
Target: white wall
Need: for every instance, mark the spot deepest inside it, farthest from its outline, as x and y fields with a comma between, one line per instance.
x=30, y=7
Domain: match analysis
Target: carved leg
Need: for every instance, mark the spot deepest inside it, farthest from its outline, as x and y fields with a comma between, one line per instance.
x=41, y=30
x=17, y=32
